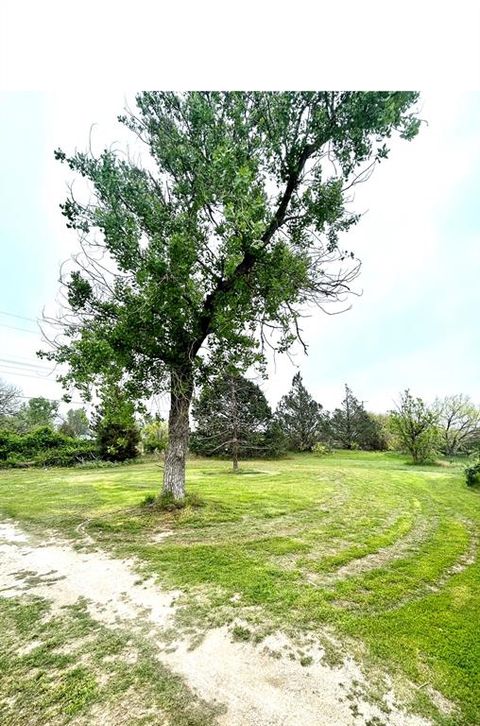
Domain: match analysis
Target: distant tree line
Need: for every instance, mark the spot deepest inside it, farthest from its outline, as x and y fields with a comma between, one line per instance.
x=231, y=418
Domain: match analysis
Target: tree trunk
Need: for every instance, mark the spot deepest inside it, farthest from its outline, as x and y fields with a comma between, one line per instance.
x=181, y=391
x=235, y=455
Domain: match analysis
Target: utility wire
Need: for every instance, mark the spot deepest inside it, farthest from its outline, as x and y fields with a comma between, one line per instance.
x=14, y=327
x=20, y=317
x=27, y=375
x=16, y=363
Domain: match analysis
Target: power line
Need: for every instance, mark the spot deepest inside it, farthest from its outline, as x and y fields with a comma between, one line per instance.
x=47, y=321
x=25, y=365
x=20, y=317
x=28, y=369
x=27, y=375
x=14, y=327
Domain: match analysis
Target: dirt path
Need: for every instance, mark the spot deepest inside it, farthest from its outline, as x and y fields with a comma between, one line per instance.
x=256, y=688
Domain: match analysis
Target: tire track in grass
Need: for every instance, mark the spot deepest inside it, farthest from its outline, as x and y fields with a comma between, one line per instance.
x=411, y=577
x=255, y=688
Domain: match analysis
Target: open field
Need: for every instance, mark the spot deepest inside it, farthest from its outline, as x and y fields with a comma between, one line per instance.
x=353, y=554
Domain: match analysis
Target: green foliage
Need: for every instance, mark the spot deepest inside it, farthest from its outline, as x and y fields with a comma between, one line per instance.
x=43, y=447
x=75, y=423
x=472, y=473
x=351, y=427
x=116, y=429
x=459, y=424
x=300, y=417
x=167, y=503
x=37, y=412
x=233, y=419
x=416, y=426
x=322, y=449
x=385, y=437
x=81, y=452
x=221, y=235
x=154, y=434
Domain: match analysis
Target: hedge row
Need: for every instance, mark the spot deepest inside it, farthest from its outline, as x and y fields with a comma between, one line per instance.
x=43, y=447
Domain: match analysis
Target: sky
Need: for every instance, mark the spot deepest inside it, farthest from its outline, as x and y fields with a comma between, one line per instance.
x=415, y=323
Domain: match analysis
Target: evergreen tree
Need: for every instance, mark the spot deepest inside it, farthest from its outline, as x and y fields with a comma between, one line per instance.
x=115, y=427
x=351, y=427
x=233, y=419
x=300, y=417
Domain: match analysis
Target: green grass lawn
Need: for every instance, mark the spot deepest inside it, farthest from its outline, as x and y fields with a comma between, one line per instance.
x=379, y=553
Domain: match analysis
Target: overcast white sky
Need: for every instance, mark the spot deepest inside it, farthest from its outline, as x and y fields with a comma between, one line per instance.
x=416, y=323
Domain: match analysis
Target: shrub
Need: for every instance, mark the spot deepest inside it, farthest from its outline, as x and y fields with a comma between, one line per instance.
x=115, y=427
x=117, y=442
x=472, y=473
x=43, y=447
x=68, y=456
x=322, y=449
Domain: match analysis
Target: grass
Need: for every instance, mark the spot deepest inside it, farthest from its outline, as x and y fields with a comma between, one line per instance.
x=381, y=553
x=62, y=668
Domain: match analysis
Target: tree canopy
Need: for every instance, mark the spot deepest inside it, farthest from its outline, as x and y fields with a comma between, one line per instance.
x=36, y=412
x=219, y=239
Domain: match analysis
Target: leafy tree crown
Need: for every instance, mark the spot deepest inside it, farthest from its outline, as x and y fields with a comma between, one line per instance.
x=226, y=232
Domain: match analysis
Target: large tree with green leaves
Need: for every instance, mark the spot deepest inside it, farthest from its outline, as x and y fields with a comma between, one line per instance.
x=226, y=232
x=233, y=419
x=300, y=417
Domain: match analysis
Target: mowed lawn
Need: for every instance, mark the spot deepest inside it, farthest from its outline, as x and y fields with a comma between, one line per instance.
x=381, y=554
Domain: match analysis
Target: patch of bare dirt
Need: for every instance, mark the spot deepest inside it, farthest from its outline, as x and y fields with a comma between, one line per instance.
x=257, y=684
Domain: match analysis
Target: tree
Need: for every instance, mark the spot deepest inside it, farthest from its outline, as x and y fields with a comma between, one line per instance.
x=154, y=434
x=9, y=399
x=115, y=427
x=38, y=411
x=459, y=423
x=383, y=438
x=350, y=426
x=416, y=427
x=75, y=423
x=233, y=419
x=227, y=232
x=300, y=417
